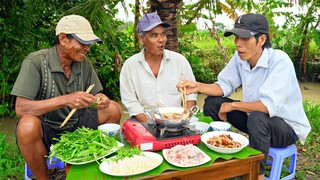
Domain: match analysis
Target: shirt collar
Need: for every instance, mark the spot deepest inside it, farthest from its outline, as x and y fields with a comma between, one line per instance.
x=262, y=61
x=142, y=57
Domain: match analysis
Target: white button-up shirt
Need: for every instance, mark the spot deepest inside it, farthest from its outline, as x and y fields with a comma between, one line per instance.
x=140, y=89
x=273, y=81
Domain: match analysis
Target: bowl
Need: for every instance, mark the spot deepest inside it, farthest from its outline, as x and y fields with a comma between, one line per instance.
x=220, y=126
x=235, y=136
x=111, y=129
x=201, y=127
x=194, y=119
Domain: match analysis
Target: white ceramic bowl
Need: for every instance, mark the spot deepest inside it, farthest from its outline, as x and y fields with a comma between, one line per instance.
x=235, y=136
x=201, y=127
x=220, y=126
x=111, y=129
x=194, y=119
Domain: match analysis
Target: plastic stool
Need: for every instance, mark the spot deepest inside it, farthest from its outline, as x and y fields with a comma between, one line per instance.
x=278, y=155
x=56, y=163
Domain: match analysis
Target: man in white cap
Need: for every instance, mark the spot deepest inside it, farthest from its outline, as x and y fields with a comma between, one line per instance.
x=151, y=76
x=50, y=84
x=271, y=112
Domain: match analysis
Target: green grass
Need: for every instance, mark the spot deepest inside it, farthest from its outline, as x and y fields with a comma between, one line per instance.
x=11, y=161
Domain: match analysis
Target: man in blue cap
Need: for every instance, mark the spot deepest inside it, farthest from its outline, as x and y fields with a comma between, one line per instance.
x=151, y=76
x=271, y=111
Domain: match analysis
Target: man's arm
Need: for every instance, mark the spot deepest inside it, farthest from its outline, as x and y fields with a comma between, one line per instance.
x=194, y=87
x=241, y=106
x=78, y=99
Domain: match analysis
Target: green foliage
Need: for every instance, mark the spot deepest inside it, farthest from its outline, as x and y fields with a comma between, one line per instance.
x=11, y=161
x=27, y=26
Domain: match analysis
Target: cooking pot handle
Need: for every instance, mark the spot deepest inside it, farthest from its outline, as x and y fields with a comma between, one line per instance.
x=195, y=109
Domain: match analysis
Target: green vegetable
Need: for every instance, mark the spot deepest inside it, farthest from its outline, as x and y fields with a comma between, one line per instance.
x=82, y=145
x=127, y=151
x=97, y=102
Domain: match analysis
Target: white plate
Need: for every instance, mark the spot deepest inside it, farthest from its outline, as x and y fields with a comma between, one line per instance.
x=105, y=167
x=110, y=151
x=236, y=137
x=205, y=160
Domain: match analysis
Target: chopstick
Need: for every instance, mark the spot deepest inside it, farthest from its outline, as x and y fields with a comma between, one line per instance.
x=160, y=104
x=184, y=97
x=74, y=109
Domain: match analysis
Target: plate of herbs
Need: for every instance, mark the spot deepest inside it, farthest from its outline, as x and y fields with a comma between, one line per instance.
x=83, y=146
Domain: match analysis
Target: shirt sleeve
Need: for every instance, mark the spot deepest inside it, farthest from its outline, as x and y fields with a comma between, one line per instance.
x=229, y=78
x=127, y=92
x=28, y=82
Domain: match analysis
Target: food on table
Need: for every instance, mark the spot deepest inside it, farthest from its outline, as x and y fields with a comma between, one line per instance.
x=134, y=164
x=223, y=141
x=171, y=116
x=82, y=145
x=185, y=155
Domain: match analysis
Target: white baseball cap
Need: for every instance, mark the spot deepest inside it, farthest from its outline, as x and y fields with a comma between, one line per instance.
x=79, y=27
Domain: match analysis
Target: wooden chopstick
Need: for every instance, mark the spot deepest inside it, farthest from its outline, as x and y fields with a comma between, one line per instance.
x=74, y=109
x=184, y=97
x=160, y=104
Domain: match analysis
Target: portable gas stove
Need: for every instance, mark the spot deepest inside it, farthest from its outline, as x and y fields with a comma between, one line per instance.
x=151, y=137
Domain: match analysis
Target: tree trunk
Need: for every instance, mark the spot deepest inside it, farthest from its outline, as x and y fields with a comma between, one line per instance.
x=136, y=19
x=167, y=10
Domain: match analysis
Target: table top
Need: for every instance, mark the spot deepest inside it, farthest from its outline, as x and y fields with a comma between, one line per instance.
x=245, y=162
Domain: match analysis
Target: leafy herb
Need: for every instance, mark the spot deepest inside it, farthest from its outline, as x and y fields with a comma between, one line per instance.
x=127, y=151
x=84, y=144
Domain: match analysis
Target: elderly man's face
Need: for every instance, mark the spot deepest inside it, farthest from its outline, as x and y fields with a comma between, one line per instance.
x=73, y=50
x=154, y=40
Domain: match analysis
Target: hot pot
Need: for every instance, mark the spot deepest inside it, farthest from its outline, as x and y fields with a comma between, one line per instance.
x=173, y=117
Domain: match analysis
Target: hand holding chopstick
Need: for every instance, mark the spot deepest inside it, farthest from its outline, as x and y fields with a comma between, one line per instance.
x=74, y=109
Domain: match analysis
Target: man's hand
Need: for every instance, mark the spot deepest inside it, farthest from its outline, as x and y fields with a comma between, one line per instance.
x=102, y=101
x=191, y=86
x=224, y=109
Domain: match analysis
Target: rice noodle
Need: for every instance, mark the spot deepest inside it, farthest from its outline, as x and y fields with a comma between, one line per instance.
x=135, y=164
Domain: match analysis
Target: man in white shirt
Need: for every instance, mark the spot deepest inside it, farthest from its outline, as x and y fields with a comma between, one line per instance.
x=151, y=76
x=271, y=112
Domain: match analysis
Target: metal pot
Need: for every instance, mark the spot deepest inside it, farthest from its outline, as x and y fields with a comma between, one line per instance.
x=158, y=116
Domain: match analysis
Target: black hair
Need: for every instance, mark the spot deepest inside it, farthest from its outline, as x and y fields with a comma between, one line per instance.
x=56, y=40
x=266, y=44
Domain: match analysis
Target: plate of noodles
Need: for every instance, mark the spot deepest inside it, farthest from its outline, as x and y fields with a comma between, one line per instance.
x=131, y=165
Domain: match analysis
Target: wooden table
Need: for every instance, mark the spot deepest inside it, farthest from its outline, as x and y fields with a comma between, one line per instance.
x=247, y=168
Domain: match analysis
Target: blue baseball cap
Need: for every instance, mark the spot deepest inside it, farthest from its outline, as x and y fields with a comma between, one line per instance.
x=149, y=21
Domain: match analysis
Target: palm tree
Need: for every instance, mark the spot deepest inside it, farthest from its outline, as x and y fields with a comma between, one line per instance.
x=167, y=11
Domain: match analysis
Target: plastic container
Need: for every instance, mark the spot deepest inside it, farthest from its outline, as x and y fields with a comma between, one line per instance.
x=55, y=164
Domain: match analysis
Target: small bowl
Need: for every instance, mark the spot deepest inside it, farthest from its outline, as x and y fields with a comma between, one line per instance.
x=111, y=129
x=201, y=127
x=220, y=126
x=194, y=119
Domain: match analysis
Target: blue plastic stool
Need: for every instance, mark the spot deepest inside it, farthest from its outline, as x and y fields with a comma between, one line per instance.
x=278, y=155
x=56, y=163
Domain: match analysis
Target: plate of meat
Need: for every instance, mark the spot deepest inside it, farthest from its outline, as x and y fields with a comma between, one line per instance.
x=185, y=156
x=224, y=142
